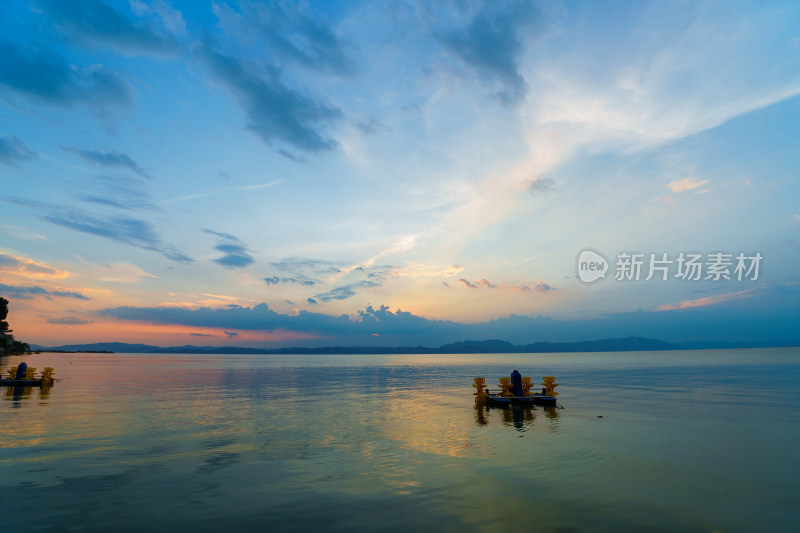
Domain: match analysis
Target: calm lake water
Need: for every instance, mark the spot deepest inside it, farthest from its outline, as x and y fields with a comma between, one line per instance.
x=647, y=441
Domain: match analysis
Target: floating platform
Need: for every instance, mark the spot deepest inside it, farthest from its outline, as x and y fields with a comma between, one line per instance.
x=498, y=401
x=504, y=396
x=534, y=399
x=26, y=382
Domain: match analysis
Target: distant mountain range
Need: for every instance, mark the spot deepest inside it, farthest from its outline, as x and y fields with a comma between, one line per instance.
x=487, y=346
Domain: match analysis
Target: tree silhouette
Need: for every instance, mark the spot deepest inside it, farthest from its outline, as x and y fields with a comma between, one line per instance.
x=7, y=342
x=3, y=314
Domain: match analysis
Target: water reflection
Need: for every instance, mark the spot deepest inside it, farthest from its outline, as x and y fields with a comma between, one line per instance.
x=552, y=414
x=18, y=395
x=352, y=442
x=521, y=418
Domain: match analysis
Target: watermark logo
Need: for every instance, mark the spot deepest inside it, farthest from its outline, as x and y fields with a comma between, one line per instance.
x=591, y=266
x=631, y=266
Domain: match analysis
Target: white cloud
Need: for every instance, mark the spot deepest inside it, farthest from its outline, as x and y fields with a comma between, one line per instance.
x=699, y=70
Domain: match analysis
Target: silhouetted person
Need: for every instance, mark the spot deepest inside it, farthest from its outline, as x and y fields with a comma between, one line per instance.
x=516, y=383
x=21, y=370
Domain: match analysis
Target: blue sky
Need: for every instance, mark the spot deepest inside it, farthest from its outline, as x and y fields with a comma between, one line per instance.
x=396, y=173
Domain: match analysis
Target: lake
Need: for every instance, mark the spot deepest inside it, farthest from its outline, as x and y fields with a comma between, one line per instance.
x=656, y=441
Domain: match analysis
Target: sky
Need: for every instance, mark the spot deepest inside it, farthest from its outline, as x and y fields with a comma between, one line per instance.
x=399, y=173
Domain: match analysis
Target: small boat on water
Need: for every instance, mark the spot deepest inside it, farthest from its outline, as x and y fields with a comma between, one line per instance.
x=505, y=397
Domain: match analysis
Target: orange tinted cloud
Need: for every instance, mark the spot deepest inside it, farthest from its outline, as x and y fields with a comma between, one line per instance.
x=707, y=300
x=29, y=269
x=686, y=184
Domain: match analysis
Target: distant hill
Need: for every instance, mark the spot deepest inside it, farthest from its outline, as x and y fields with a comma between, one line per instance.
x=628, y=344
x=121, y=347
x=485, y=346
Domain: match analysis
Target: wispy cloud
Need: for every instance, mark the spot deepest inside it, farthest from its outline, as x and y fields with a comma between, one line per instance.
x=531, y=258
x=127, y=230
x=540, y=185
x=708, y=300
x=217, y=192
x=538, y=286
x=112, y=159
x=44, y=76
x=686, y=184
x=477, y=284
x=27, y=292
x=13, y=150
x=119, y=192
x=68, y=321
x=291, y=33
x=237, y=255
x=275, y=111
x=121, y=272
x=371, y=127
x=343, y=292
x=94, y=22
x=304, y=269
x=171, y=18
x=490, y=45
x=399, y=246
x=24, y=233
x=483, y=283
x=345, y=281
x=275, y=280
x=123, y=229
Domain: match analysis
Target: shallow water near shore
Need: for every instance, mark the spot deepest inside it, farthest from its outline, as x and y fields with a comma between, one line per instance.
x=658, y=441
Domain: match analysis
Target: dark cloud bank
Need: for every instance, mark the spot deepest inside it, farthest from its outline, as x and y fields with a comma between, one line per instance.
x=739, y=321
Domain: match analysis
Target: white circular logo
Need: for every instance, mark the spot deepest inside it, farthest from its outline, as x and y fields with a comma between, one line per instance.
x=591, y=266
